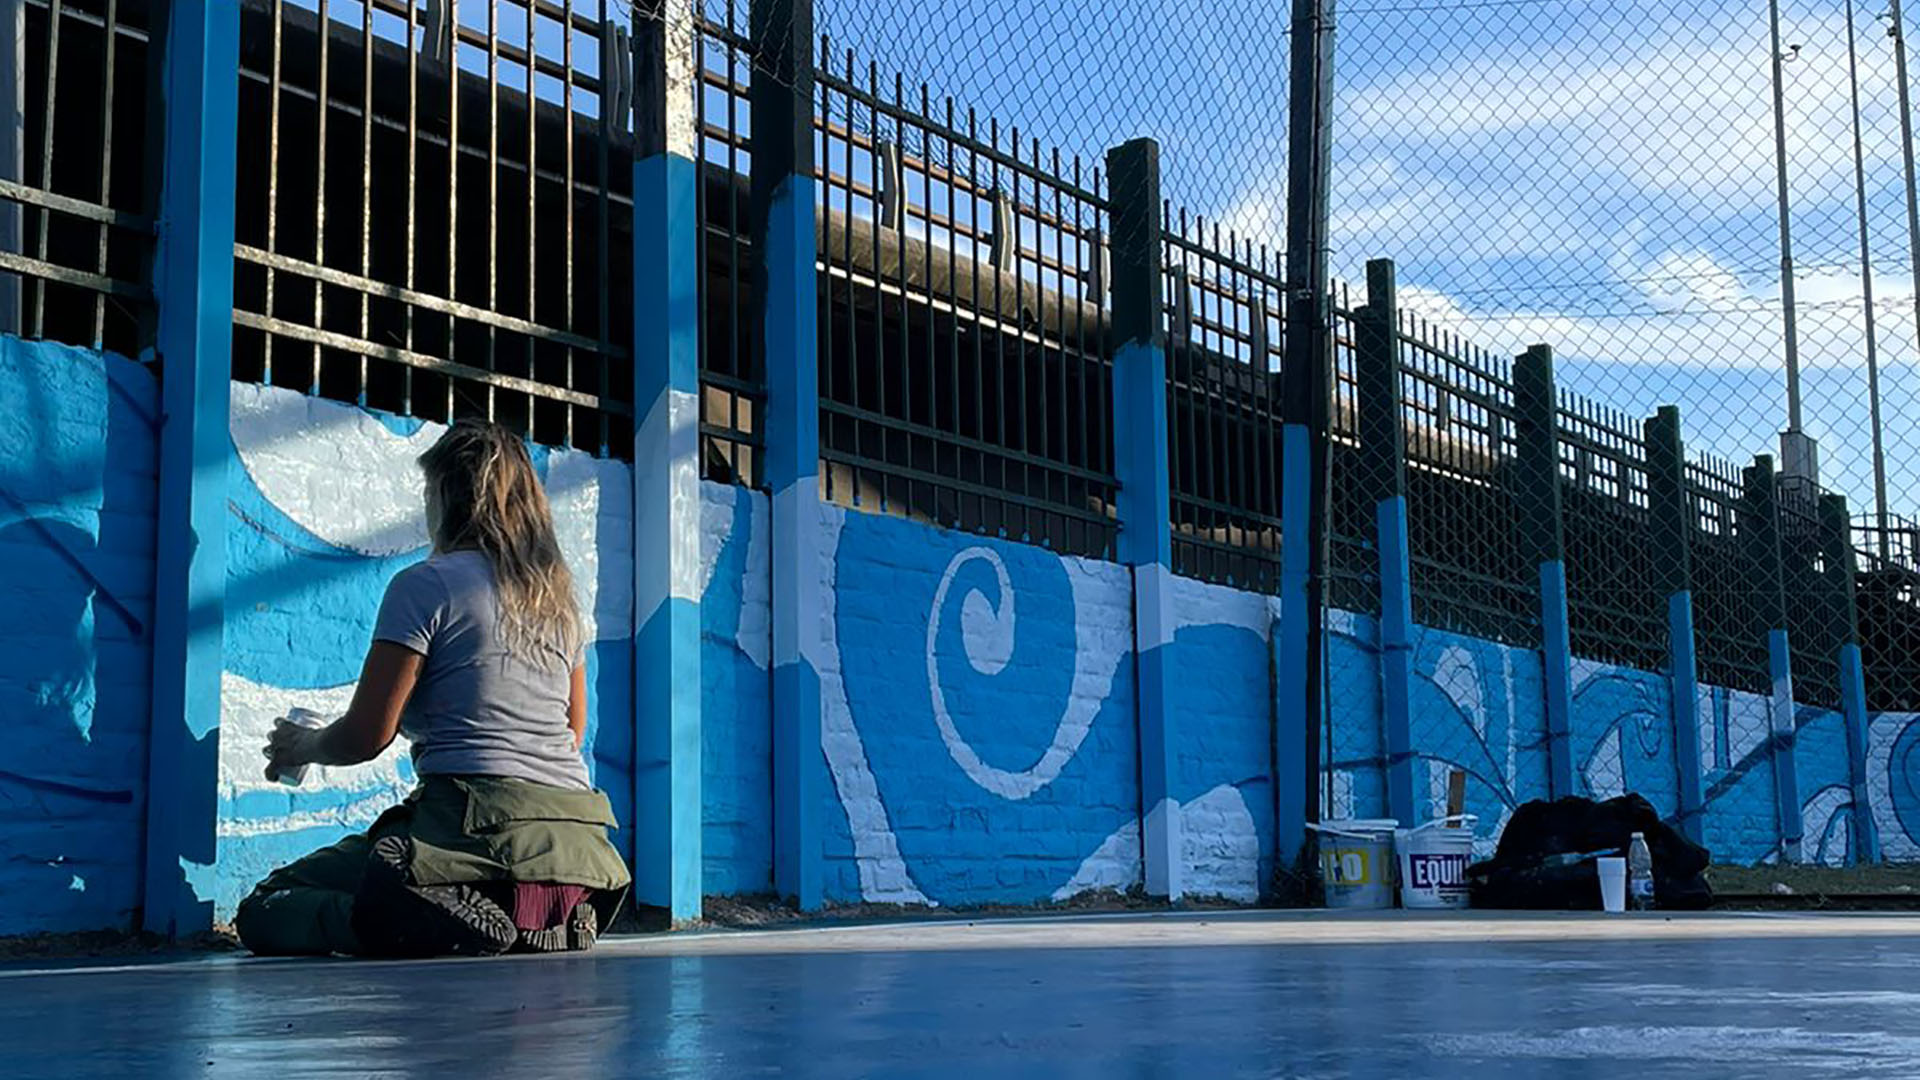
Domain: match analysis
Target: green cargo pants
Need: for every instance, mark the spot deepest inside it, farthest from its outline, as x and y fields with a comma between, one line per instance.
x=464, y=830
x=306, y=907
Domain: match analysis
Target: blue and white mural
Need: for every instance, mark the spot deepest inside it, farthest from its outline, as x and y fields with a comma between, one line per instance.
x=978, y=722
x=77, y=498
x=324, y=507
x=977, y=715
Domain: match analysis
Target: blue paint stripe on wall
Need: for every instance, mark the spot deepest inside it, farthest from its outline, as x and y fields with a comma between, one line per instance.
x=1396, y=655
x=1685, y=710
x=792, y=465
x=668, y=687
x=194, y=293
x=1556, y=652
x=1853, y=692
x=1290, y=645
x=1785, y=772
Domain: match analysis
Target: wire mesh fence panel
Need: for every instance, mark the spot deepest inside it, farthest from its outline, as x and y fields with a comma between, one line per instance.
x=1208, y=80
x=1703, y=205
x=443, y=217
x=1729, y=631
x=964, y=375
x=1353, y=551
x=1223, y=311
x=1615, y=610
x=733, y=378
x=1889, y=612
x=1818, y=618
x=79, y=90
x=1465, y=514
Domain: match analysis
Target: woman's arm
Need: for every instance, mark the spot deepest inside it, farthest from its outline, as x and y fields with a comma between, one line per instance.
x=577, y=707
x=386, y=682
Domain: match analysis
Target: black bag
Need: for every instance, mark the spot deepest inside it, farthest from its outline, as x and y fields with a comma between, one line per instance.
x=1524, y=875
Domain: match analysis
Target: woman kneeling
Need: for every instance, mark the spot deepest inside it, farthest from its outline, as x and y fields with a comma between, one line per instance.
x=477, y=658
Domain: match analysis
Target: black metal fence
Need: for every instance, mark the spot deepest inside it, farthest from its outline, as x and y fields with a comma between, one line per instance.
x=964, y=375
x=439, y=223
x=443, y=211
x=1224, y=346
x=78, y=175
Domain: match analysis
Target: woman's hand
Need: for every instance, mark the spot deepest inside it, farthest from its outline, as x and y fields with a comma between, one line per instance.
x=289, y=747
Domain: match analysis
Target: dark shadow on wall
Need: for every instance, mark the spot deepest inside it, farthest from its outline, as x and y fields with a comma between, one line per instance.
x=67, y=789
x=76, y=598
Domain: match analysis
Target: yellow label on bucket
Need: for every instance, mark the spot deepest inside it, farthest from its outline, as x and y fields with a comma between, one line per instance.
x=1347, y=866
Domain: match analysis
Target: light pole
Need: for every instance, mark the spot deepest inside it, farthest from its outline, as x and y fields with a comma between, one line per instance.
x=1866, y=288
x=1896, y=29
x=1799, y=458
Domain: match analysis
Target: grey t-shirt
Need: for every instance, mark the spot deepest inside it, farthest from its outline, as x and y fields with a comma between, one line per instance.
x=477, y=710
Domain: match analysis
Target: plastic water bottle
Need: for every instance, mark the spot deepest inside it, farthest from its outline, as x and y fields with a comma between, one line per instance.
x=1639, y=874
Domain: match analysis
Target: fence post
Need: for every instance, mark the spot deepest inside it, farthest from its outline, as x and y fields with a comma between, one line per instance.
x=193, y=285
x=1763, y=509
x=1672, y=520
x=785, y=332
x=666, y=463
x=1306, y=381
x=1537, y=433
x=1383, y=451
x=1140, y=466
x=1836, y=541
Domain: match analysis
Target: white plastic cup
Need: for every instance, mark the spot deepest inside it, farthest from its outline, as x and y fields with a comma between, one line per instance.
x=301, y=718
x=1613, y=882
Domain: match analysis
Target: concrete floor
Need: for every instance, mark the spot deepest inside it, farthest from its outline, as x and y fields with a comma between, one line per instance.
x=1254, y=995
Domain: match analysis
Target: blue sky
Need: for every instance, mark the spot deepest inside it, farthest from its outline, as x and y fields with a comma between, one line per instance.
x=1594, y=175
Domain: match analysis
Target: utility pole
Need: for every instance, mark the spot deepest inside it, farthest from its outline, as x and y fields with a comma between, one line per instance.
x=1866, y=288
x=1306, y=397
x=1799, y=456
x=1896, y=29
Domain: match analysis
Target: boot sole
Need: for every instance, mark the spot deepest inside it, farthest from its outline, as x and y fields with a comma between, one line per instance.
x=405, y=919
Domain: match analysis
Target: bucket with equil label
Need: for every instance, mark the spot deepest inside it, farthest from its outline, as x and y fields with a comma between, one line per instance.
x=1356, y=862
x=1433, y=862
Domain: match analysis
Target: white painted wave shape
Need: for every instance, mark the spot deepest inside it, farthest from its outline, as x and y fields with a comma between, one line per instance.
x=988, y=632
x=247, y=712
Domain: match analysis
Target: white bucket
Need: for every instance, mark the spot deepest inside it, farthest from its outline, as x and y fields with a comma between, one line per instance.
x=1433, y=863
x=1356, y=862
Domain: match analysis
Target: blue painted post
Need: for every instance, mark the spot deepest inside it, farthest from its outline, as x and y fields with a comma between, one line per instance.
x=1383, y=451
x=1537, y=430
x=1306, y=386
x=785, y=335
x=1140, y=463
x=1763, y=518
x=1672, y=520
x=193, y=285
x=1836, y=536
x=666, y=465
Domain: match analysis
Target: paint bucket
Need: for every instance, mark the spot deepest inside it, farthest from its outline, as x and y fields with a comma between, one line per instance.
x=1356, y=860
x=1433, y=863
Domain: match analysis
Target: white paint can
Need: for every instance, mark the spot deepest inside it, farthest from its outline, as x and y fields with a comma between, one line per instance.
x=1433, y=863
x=302, y=718
x=1356, y=862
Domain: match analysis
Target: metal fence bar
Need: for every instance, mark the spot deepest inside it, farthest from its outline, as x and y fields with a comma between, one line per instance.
x=964, y=378
x=77, y=173
x=351, y=299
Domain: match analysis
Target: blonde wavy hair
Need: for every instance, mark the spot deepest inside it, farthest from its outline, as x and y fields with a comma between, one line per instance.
x=481, y=480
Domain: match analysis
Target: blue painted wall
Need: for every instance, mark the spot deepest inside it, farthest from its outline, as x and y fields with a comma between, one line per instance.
x=1738, y=824
x=736, y=782
x=324, y=508
x=77, y=491
x=1826, y=791
x=978, y=726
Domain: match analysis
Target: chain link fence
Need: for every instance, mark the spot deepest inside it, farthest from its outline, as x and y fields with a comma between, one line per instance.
x=1589, y=262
